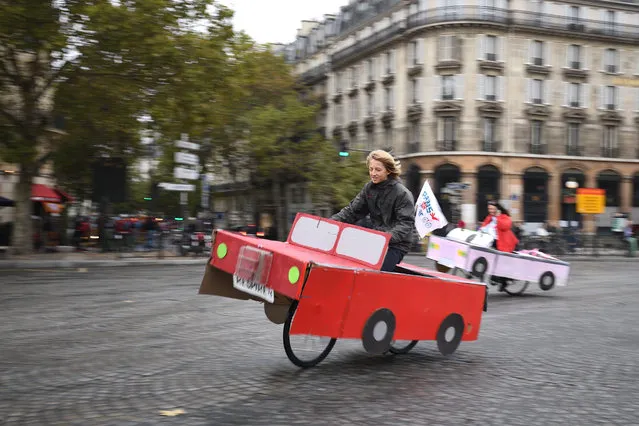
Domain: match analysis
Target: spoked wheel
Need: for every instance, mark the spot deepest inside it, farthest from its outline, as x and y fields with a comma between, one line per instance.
x=303, y=350
x=400, y=347
x=516, y=287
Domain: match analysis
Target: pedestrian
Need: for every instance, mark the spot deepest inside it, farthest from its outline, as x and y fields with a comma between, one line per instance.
x=389, y=204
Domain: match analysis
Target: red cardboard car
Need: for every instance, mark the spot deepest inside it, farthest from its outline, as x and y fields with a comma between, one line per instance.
x=325, y=281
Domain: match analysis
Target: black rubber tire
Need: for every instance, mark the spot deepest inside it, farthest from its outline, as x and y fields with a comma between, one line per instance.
x=448, y=347
x=519, y=292
x=371, y=343
x=479, y=268
x=287, y=343
x=547, y=276
x=442, y=268
x=401, y=351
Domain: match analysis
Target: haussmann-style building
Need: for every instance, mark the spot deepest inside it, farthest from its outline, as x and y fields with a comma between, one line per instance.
x=514, y=97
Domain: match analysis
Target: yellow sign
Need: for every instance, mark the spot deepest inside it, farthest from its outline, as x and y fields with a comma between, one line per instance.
x=591, y=200
x=629, y=82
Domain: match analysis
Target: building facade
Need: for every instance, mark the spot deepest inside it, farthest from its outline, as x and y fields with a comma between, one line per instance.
x=514, y=97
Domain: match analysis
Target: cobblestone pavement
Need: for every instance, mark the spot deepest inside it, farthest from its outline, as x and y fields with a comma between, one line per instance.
x=117, y=346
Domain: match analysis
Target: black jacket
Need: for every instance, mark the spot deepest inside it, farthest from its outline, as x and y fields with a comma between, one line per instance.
x=391, y=208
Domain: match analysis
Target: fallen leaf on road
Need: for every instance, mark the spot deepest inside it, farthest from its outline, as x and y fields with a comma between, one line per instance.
x=172, y=413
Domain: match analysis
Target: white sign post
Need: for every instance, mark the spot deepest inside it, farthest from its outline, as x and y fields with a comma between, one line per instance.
x=182, y=187
x=186, y=174
x=187, y=165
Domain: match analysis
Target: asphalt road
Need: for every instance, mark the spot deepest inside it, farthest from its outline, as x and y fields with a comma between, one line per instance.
x=118, y=346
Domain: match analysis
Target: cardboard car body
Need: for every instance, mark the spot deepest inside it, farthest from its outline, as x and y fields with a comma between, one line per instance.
x=471, y=252
x=330, y=273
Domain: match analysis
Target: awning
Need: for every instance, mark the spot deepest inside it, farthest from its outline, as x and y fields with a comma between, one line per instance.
x=5, y=202
x=64, y=195
x=40, y=192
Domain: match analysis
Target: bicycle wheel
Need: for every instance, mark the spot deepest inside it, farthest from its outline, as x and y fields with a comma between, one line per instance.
x=516, y=287
x=400, y=347
x=304, y=357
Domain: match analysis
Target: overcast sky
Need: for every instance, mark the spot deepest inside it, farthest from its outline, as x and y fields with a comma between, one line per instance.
x=277, y=21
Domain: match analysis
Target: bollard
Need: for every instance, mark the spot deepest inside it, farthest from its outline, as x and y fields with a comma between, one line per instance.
x=632, y=246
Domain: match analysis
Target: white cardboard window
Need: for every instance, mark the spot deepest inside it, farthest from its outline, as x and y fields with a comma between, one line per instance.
x=362, y=245
x=314, y=233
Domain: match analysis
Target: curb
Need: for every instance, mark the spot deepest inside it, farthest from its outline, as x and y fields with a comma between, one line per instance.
x=72, y=264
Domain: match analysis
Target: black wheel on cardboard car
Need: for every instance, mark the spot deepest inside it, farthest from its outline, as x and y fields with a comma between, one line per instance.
x=547, y=281
x=309, y=356
x=515, y=287
x=450, y=334
x=378, y=331
x=400, y=347
x=441, y=268
x=480, y=265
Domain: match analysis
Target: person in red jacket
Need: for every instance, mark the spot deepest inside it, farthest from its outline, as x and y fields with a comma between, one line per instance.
x=499, y=224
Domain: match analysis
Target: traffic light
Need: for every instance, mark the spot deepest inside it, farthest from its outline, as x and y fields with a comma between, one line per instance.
x=148, y=198
x=343, y=149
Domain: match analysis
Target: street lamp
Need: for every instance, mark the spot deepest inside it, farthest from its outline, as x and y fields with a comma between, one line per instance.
x=572, y=185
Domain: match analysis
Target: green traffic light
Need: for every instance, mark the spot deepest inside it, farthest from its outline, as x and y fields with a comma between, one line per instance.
x=147, y=198
x=344, y=154
x=179, y=218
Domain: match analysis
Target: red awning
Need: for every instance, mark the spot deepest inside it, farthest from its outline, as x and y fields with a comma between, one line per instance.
x=64, y=195
x=41, y=192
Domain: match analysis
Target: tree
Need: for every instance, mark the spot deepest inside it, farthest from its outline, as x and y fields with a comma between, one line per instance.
x=104, y=64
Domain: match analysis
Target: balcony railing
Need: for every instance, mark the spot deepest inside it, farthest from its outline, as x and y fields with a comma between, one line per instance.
x=463, y=13
x=611, y=152
x=537, y=148
x=519, y=18
x=412, y=147
x=368, y=43
x=523, y=18
x=491, y=146
x=446, y=145
x=576, y=151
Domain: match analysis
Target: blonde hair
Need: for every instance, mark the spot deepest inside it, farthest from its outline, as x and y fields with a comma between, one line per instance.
x=393, y=167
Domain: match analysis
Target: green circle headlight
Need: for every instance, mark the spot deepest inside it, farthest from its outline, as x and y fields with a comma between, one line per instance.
x=293, y=274
x=222, y=251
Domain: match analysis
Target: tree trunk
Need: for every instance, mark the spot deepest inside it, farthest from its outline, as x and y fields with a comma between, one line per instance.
x=277, y=201
x=22, y=238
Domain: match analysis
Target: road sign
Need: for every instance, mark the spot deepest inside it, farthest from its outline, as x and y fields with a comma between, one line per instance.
x=185, y=187
x=188, y=174
x=187, y=145
x=186, y=158
x=457, y=186
x=591, y=200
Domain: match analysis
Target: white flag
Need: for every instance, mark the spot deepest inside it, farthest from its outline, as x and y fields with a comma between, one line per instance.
x=429, y=215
